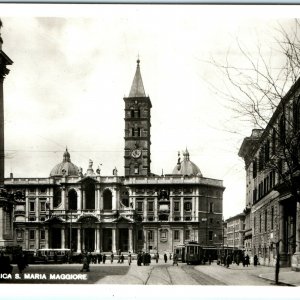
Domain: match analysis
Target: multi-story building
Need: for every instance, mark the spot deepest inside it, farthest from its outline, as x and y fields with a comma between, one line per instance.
x=235, y=232
x=138, y=211
x=272, y=183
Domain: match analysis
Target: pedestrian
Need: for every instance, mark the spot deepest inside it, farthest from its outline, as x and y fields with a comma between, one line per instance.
x=139, y=259
x=209, y=259
x=238, y=260
x=228, y=261
x=255, y=260
x=112, y=257
x=99, y=258
x=157, y=257
x=247, y=260
x=129, y=258
x=170, y=256
x=20, y=262
x=85, y=263
x=175, y=259
x=122, y=258
x=165, y=257
x=104, y=258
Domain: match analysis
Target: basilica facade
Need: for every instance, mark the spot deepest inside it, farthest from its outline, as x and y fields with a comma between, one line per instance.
x=140, y=211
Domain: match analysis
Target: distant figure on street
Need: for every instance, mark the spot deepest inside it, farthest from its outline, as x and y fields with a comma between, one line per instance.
x=255, y=260
x=165, y=257
x=129, y=258
x=209, y=259
x=156, y=257
x=21, y=262
x=228, y=261
x=170, y=256
x=104, y=258
x=247, y=260
x=175, y=259
x=122, y=258
x=112, y=257
x=85, y=263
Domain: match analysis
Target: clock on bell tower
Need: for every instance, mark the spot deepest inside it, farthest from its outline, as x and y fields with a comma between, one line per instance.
x=137, y=128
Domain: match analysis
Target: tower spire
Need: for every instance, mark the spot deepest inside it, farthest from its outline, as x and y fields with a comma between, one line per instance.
x=137, y=87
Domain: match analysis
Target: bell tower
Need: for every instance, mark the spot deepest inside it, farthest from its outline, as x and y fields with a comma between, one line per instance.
x=137, y=129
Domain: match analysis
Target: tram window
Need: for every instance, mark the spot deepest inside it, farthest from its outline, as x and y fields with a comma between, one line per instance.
x=192, y=250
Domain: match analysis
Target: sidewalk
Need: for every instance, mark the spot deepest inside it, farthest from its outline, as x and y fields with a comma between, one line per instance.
x=286, y=275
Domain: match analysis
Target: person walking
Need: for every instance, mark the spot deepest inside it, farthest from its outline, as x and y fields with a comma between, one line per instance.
x=112, y=257
x=129, y=258
x=157, y=257
x=122, y=258
x=20, y=262
x=104, y=258
x=165, y=257
x=175, y=259
x=255, y=260
x=85, y=263
x=247, y=260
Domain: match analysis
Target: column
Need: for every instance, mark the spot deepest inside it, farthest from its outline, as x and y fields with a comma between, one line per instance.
x=37, y=238
x=63, y=198
x=27, y=239
x=79, y=199
x=78, y=240
x=145, y=240
x=130, y=242
x=155, y=209
x=96, y=199
x=37, y=209
x=83, y=199
x=181, y=208
x=26, y=209
x=62, y=238
x=113, y=238
x=145, y=209
x=46, y=238
x=171, y=209
x=114, y=199
x=197, y=207
x=97, y=240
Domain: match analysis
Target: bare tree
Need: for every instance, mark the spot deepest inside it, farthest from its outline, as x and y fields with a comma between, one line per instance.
x=264, y=89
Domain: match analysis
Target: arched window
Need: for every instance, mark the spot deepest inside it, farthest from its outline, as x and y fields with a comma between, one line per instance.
x=72, y=196
x=56, y=197
x=90, y=195
x=107, y=199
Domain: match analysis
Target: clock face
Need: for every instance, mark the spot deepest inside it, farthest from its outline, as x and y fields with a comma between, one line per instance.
x=136, y=153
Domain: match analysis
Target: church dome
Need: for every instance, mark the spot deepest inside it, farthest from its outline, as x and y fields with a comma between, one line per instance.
x=65, y=168
x=186, y=167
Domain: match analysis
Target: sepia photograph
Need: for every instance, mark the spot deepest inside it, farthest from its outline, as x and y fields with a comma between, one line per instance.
x=150, y=144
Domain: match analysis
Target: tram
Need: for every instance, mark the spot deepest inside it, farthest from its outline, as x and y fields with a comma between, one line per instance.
x=180, y=251
x=194, y=253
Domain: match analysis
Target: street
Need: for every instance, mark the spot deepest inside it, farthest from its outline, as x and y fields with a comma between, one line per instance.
x=154, y=274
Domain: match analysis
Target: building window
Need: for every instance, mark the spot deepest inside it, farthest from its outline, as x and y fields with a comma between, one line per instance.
x=31, y=206
x=260, y=223
x=140, y=206
x=211, y=207
x=210, y=235
x=43, y=190
x=31, y=234
x=282, y=128
x=150, y=235
x=211, y=220
x=176, y=235
x=176, y=206
x=187, y=206
x=267, y=151
x=261, y=160
x=20, y=234
x=273, y=141
x=272, y=217
x=150, y=206
x=266, y=220
x=254, y=166
x=187, y=235
x=43, y=206
x=31, y=191
x=136, y=170
x=43, y=235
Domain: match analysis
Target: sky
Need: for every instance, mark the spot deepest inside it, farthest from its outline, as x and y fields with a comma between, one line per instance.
x=73, y=64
